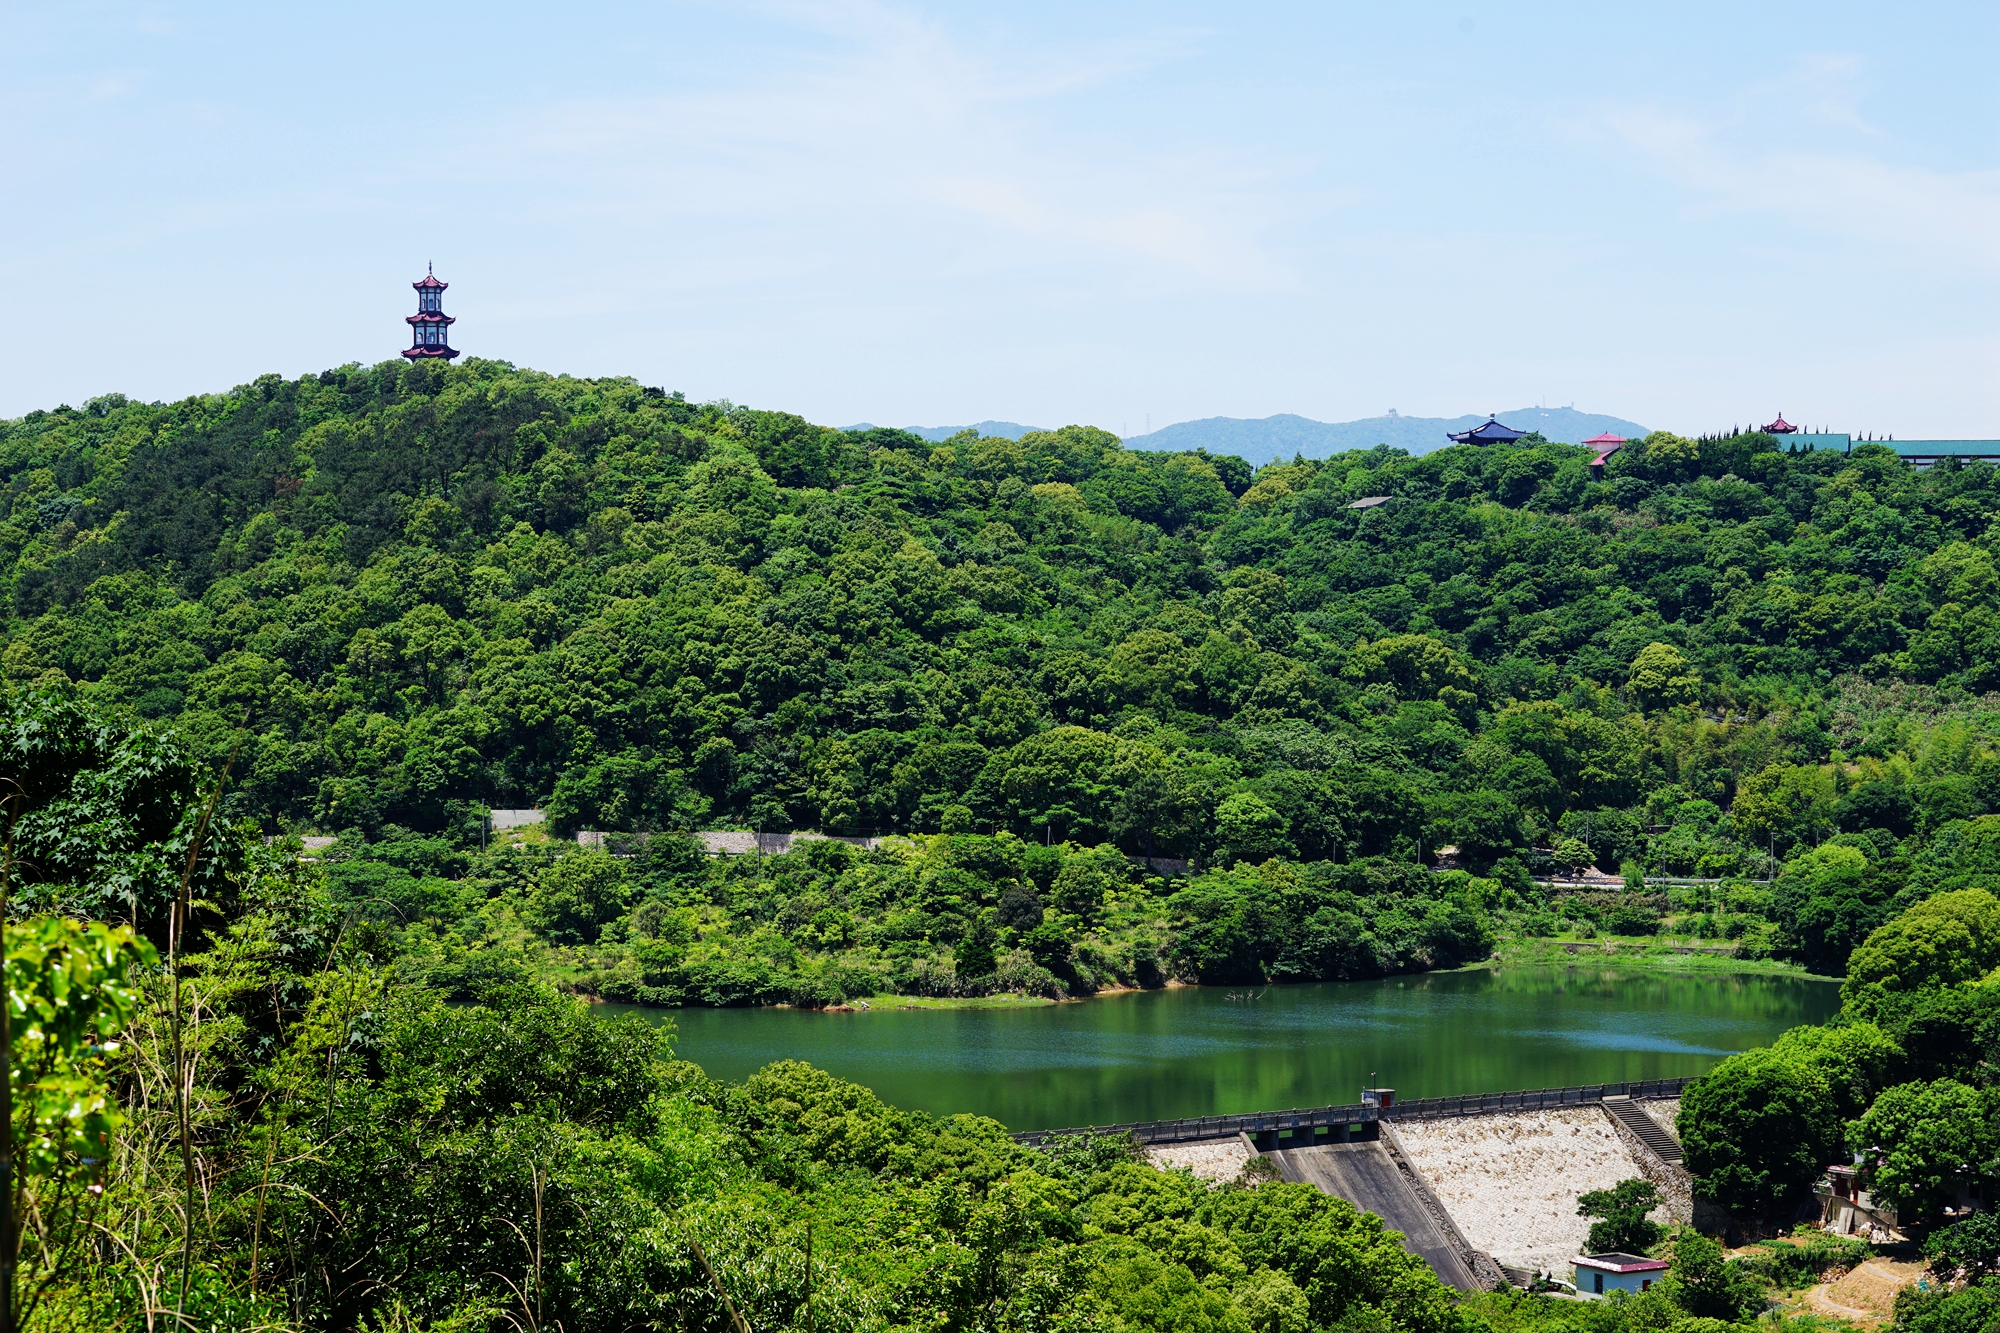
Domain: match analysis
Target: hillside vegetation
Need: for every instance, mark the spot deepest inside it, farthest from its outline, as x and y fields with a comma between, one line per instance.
x=409, y=592
x=230, y=1114
x=255, y=1090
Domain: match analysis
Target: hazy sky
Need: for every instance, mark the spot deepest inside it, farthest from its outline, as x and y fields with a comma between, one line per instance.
x=1687, y=214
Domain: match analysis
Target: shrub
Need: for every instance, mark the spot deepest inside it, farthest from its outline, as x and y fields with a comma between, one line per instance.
x=1705, y=1284
x=1623, y=1209
x=1968, y=1249
x=1802, y=1261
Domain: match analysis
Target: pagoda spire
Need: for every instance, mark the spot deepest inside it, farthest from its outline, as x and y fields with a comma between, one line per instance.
x=430, y=327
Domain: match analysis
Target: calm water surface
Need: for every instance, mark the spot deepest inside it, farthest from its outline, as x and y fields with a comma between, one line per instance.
x=1153, y=1055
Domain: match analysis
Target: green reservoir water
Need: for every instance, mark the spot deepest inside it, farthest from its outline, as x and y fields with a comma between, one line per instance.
x=1153, y=1055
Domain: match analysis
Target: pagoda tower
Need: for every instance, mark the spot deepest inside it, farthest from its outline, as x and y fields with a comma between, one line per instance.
x=430, y=327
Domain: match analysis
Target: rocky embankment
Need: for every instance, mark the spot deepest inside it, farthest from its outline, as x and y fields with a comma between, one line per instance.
x=1511, y=1180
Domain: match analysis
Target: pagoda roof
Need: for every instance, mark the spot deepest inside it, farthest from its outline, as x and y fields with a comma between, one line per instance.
x=1606, y=438
x=1490, y=433
x=1781, y=427
x=430, y=281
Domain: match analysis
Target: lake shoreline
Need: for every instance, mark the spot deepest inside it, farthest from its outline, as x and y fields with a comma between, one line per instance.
x=1206, y=1050
x=1628, y=955
x=1639, y=954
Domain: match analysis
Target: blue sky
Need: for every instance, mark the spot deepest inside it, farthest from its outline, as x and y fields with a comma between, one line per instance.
x=1690, y=215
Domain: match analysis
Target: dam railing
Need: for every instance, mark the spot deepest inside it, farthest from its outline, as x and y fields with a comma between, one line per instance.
x=1359, y=1121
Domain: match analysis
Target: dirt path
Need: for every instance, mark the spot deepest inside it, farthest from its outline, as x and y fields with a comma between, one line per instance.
x=1867, y=1294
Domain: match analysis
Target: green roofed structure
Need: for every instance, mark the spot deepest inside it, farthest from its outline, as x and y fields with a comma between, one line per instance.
x=1918, y=453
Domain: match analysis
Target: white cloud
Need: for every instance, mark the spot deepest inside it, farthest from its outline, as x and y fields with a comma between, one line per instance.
x=1787, y=148
x=894, y=134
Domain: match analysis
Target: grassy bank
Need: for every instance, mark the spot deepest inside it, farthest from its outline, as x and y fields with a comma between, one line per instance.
x=1004, y=1000
x=1651, y=953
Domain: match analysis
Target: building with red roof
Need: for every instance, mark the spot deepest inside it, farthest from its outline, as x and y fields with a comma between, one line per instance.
x=1606, y=445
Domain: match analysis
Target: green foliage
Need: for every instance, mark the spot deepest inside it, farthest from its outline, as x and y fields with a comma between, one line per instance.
x=1707, y=1285
x=1829, y=899
x=404, y=593
x=1952, y=938
x=71, y=989
x=1621, y=1210
x=576, y=896
x=1662, y=677
x=1573, y=856
x=382, y=1157
x=1934, y=1139
x=103, y=815
x=1969, y=1249
x=1855, y=1061
x=1928, y=1308
x=1758, y=1129
x=1804, y=1258
x=430, y=589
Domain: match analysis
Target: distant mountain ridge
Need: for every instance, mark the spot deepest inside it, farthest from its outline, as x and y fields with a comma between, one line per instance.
x=1011, y=430
x=1261, y=440
x=1280, y=437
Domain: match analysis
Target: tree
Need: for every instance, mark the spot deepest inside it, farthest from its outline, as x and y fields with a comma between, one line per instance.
x=1594, y=761
x=1882, y=805
x=1020, y=908
x=1572, y=857
x=1484, y=825
x=1227, y=928
x=1855, y=1061
x=1935, y=1138
x=1707, y=1285
x=1942, y=941
x=107, y=814
x=974, y=955
x=1068, y=779
x=1662, y=677
x=1415, y=666
x=577, y=895
x=1824, y=906
x=1788, y=803
x=1248, y=829
x=71, y=990
x=1757, y=1130
x=1622, y=1209
x=1084, y=880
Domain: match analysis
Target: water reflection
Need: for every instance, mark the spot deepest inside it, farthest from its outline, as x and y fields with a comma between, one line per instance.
x=1194, y=1051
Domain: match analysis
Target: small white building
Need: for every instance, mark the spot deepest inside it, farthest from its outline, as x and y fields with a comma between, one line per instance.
x=1597, y=1274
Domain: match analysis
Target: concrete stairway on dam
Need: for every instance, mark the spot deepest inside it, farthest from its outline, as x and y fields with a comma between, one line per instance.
x=1633, y=1116
x=1366, y=1176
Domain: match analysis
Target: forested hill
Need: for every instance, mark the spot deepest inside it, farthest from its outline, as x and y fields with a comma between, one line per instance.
x=423, y=586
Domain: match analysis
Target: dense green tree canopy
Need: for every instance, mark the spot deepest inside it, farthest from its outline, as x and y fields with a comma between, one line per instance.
x=426, y=586
x=412, y=592
x=403, y=594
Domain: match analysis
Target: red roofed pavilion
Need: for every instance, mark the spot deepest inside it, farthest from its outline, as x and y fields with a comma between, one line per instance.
x=1781, y=427
x=430, y=327
x=1606, y=445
